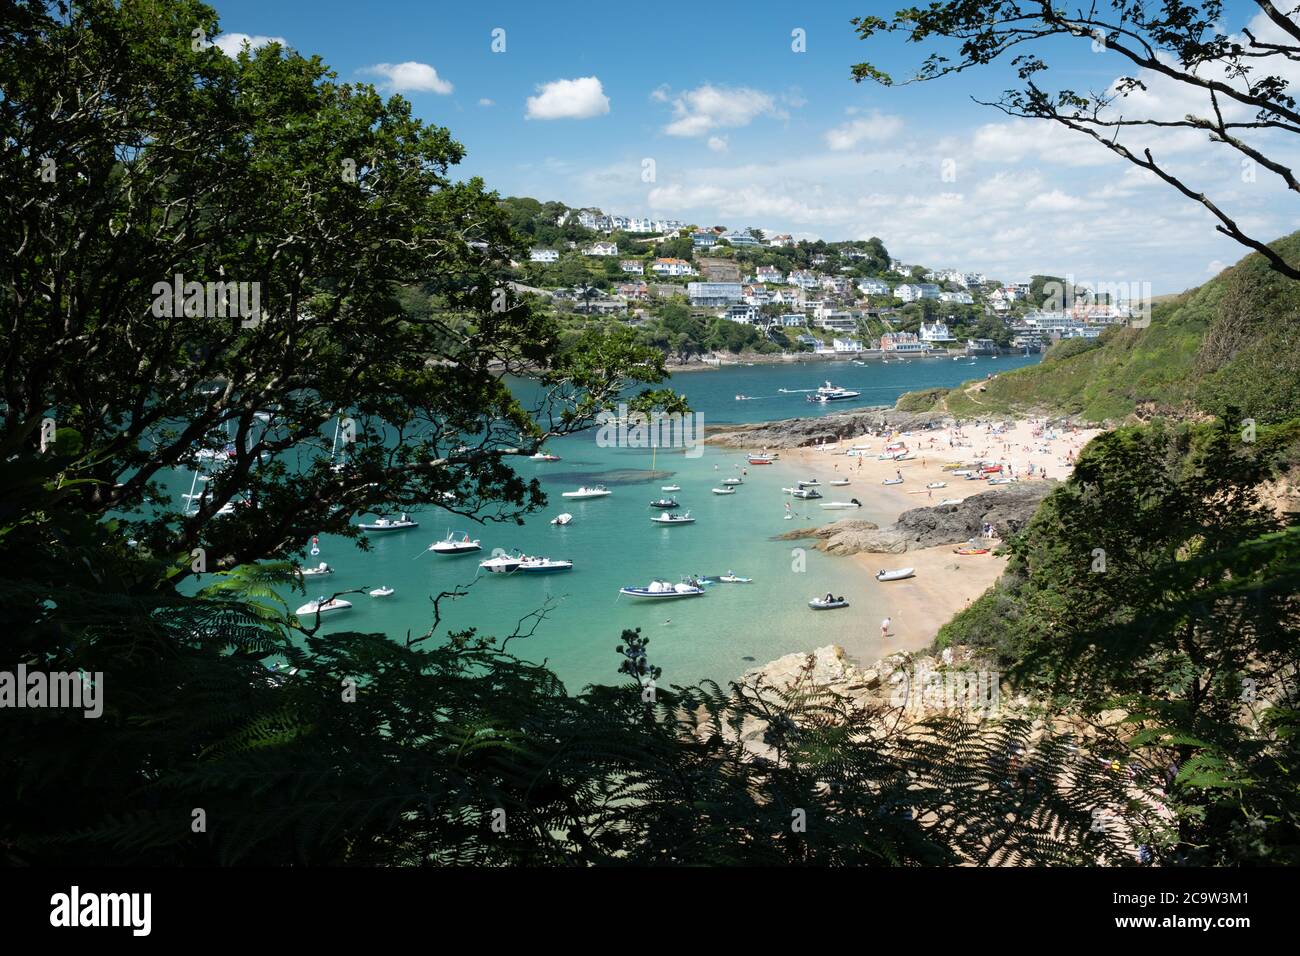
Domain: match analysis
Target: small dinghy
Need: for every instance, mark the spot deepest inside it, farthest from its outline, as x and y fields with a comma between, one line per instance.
x=322, y=606
x=759, y=459
x=388, y=524
x=732, y=578
x=663, y=590
x=896, y=574
x=839, y=482
x=950, y=501
x=971, y=550
x=665, y=503
x=321, y=568
x=671, y=488
x=836, y=505
x=544, y=565
x=724, y=491
x=937, y=484
x=384, y=591
x=892, y=481
x=666, y=518
x=807, y=494
x=595, y=491
x=733, y=481
x=827, y=603
x=562, y=519
x=808, y=483
x=454, y=545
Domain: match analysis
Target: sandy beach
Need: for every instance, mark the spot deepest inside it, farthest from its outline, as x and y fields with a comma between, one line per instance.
x=945, y=582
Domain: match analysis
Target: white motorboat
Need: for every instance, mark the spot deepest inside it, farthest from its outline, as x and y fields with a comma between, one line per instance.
x=937, y=484
x=827, y=603
x=670, y=488
x=808, y=483
x=733, y=481
x=502, y=563
x=839, y=482
x=892, y=481
x=388, y=524
x=832, y=393
x=836, y=505
x=384, y=591
x=321, y=568
x=544, y=565
x=732, y=578
x=805, y=493
x=322, y=606
x=662, y=590
x=542, y=456
x=667, y=518
x=456, y=545
x=595, y=491
x=724, y=491
x=562, y=519
x=896, y=574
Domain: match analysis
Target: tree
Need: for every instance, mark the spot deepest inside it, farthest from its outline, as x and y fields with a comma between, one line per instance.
x=1239, y=81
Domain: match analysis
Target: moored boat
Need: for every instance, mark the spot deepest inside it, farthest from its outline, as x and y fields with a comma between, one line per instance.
x=895, y=574
x=665, y=503
x=851, y=503
x=670, y=487
x=892, y=481
x=501, y=563
x=562, y=519
x=663, y=590
x=724, y=491
x=828, y=603
x=323, y=606
x=595, y=491
x=383, y=591
x=321, y=568
x=388, y=524
x=667, y=518
x=456, y=545
x=544, y=565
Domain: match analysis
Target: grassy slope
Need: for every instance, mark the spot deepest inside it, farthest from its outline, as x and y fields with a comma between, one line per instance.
x=1232, y=340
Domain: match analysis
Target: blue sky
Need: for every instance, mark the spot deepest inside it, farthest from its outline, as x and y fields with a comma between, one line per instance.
x=743, y=130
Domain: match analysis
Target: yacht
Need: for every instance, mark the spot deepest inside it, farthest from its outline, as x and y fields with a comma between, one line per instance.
x=456, y=545
x=832, y=393
x=595, y=491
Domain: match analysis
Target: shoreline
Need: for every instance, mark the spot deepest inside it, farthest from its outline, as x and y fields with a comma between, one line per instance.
x=797, y=358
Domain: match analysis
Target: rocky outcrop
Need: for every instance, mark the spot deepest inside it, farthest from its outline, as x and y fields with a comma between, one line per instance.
x=1008, y=508
x=798, y=432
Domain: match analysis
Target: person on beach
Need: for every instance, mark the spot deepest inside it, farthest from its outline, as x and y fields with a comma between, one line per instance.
x=898, y=474
x=884, y=627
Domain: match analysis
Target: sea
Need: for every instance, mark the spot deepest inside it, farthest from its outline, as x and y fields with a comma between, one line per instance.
x=574, y=620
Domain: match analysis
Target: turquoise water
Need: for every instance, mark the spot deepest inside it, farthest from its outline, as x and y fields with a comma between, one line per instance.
x=613, y=544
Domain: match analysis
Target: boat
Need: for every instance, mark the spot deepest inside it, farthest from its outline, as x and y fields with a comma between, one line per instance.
x=904, y=456
x=323, y=606
x=807, y=494
x=832, y=393
x=502, y=563
x=963, y=473
x=971, y=550
x=1001, y=481
x=665, y=503
x=321, y=568
x=732, y=578
x=562, y=519
x=828, y=603
x=839, y=482
x=454, y=545
x=733, y=481
x=808, y=483
x=544, y=565
x=896, y=446
x=724, y=491
x=937, y=484
x=744, y=398
x=666, y=518
x=759, y=459
x=897, y=574
x=670, y=488
x=387, y=524
x=661, y=590
x=851, y=503
x=542, y=456
x=950, y=501
x=991, y=470
x=595, y=491
x=384, y=591
x=892, y=481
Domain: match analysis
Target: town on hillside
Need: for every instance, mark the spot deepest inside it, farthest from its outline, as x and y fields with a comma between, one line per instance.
x=704, y=292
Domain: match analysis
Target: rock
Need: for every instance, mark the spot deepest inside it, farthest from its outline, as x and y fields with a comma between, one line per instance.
x=1008, y=508
x=798, y=432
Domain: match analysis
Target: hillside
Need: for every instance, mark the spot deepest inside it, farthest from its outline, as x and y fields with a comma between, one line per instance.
x=1234, y=341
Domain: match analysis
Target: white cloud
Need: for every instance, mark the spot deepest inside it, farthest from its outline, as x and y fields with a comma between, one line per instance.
x=706, y=108
x=582, y=98
x=875, y=128
x=231, y=43
x=718, y=144
x=409, y=77
x=486, y=102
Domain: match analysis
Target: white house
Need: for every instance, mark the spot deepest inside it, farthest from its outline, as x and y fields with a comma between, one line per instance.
x=672, y=267
x=768, y=274
x=793, y=320
x=915, y=291
x=741, y=238
x=634, y=266
x=744, y=314
x=936, y=331
x=961, y=298
x=847, y=345
x=873, y=287
x=803, y=279
x=781, y=241
x=704, y=239
x=543, y=255
x=601, y=249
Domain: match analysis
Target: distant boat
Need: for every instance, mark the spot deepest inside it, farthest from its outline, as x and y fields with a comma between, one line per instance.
x=827, y=603
x=745, y=398
x=971, y=550
x=897, y=574
x=320, y=569
x=562, y=519
x=733, y=481
x=542, y=456
x=595, y=491
x=667, y=518
x=544, y=565
x=732, y=578
x=387, y=524
x=724, y=491
x=454, y=545
x=937, y=484
x=892, y=481
x=806, y=494
x=660, y=590
x=836, y=505
x=832, y=393
x=384, y=591
x=322, y=606
x=808, y=483
x=665, y=503
x=839, y=482
x=670, y=488
x=760, y=459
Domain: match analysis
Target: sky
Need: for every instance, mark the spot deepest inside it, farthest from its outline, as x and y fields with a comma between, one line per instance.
x=745, y=114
